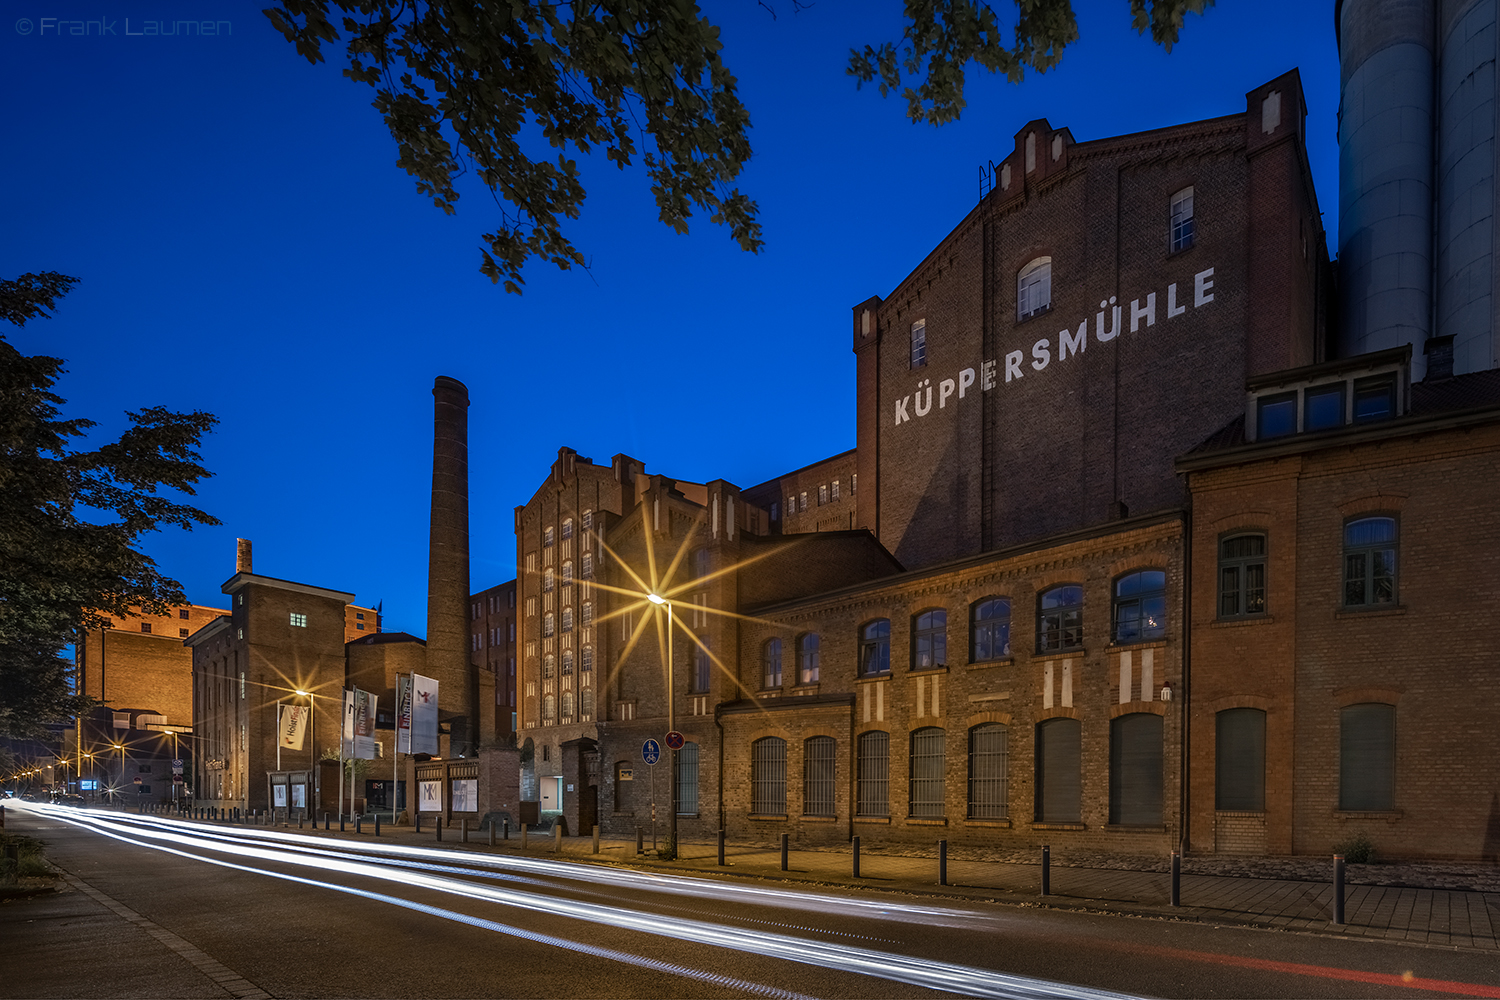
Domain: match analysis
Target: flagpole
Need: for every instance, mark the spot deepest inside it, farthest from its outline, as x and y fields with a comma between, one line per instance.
x=278, y=734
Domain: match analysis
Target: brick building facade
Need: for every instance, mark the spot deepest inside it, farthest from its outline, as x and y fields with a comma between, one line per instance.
x=492, y=643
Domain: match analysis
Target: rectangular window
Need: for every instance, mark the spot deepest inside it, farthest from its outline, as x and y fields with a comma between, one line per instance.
x=1367, y=758
x=989, y=771
x=359, y=615
x=775, y=511
x=146, y=627
x=1135, y=770
x=927, y=766
x=768, y=776
x=818, y=777
x=1059, y=776
x=822, y=494
x=835, y=489
x=1183, y=229
x=872, y=792
x=299, y=620
x=1240, y=760
x=1323, y=407
x=182, y=613
x=1374, y=399
x=1370, y=562
x=853, y=484
x=802, y=500
x=1242, y=576
x=183, y=633
x=687, y=780
x=1276, y=416
x=919, y=343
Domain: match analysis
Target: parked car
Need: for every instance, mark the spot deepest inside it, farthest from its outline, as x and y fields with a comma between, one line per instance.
x=71, y=799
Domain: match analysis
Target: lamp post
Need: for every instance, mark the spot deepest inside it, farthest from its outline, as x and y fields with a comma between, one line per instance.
x=121, y=783
x=671, y=727
x=312, y=743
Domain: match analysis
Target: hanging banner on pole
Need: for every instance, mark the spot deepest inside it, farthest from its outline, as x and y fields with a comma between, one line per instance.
x=364, y=724
x=347, y=734
x=403, y=713
x=424, y=714
x=292, y=730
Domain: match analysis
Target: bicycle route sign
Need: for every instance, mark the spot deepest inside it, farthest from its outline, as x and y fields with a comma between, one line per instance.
x=651, y=752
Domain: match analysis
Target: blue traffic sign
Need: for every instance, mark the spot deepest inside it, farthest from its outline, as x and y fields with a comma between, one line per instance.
x=651, y=752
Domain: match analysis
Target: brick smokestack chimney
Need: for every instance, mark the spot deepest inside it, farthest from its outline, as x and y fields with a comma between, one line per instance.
x=242, y=556
x=448, y=565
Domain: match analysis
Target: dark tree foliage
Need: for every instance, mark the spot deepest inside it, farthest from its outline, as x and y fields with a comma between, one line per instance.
x=943, y=36
x=69, y=520
x=481, y=84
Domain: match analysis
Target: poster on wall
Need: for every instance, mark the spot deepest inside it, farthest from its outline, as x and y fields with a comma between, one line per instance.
x=278, y=796
x=293, y=728
x=403, y=713
x=466, y=795
x=364, y=725
x=429, y=796
x=299, y=796
x=424, y=714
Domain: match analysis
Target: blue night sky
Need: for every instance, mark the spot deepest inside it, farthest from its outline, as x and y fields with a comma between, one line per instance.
x=248, y=246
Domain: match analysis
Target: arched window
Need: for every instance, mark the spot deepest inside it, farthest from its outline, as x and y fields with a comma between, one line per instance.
x=768, y=776
x=588, y=566
x=989, y=629
x=989, y=771
x=549, y=708
x=1141, y=606
x=567, y=529
x=547, y=580
x=1135, y=770
x=929, y=639
x=687, y=780
x=586, y=704
x=1240, y=760
x=567, y=706
x=875, y=648
x=547, y=536
x=807, y=658
x=588, y=659
x=1060, y=619
x=588, y=613
x=1242, y=575
x=549, y=624
x=1370, y=562
x=1034, y=288
x=771, y=664
x=549, y=666
x=701, y=562
x=567, y=619
x=1059, y=773
x=818, y=776
x=567, y=661
x=567, y=573
x=925, y=797
x=1181, y=213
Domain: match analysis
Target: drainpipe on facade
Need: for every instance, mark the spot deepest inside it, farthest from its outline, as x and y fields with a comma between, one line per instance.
x=1187, y=661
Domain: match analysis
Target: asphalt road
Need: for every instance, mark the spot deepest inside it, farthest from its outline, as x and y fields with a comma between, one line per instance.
x=167, y=908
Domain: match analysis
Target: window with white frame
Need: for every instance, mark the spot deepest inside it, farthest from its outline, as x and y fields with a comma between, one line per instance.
x=919, y=343
x=547, y=536
x=299, y=620
x=1034, y=288
x=1182, y=219
x=567, y=528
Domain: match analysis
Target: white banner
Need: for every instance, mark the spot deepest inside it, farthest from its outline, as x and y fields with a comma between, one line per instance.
x=424, y=715
x=430, y=796
x=364, y=725
x=403, y=713
x=346, y=738
x=292, y=729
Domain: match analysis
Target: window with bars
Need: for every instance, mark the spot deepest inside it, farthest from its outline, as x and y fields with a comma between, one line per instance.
x=1367, y=758
x=1240, y=760
x=771, y=664
x=807, y=658
x=925, y=791
x=1242, y=576
x=1135, y=770
x=989, y=771
x=873, y=774
x=875, y=648
x=1060, y=619
x=929, y=639
x=1370, y=562
x=768, y=776
x=687, y=780
x=1141, y=606
x=818, y=776
x=1181, y=212
x=989, y=629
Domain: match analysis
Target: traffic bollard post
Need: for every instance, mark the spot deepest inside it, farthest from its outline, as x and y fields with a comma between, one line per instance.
x=1046, y=869
x=1338, y=889
x=942, y=862
x=1176, y=878
x=785, y=848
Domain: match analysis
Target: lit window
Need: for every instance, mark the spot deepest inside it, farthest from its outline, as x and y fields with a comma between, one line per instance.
x=822, y=494
x=990, y=629
x=1141, y=606
x=1034, y=288
x=802, y=500
x=835, y=489
x=1182, y=219
x=547, y=536
x=1370, y=562
x=567, y=529
x=300, y=621
x=875, y=648
x=1060, y=619
x=919, y=343
x=567, y=662
x=549, y=665
x=771, y=661
x=1242, y=576
x=807, y=658
x=929, y=640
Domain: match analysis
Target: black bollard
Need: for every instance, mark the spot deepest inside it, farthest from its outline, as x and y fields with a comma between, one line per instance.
x=463, y=829
x=640, y=841
x=785, y=842
x=359, y=822
x=506, y=828
x=1046, y=870
x=377, y=824
x=438, y=825
x=492, y=833
x=721, y=848
x=942, y=862
x=596, y=840
x=419, y=822
x=1338, y=889
x=325, y=822
x=856, y=856
x=1176, y=878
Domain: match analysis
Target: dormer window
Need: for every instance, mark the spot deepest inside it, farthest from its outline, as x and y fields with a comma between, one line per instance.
x=1276, y=416
x=1374, y=399
x=1323, y=407
x=1034, y=288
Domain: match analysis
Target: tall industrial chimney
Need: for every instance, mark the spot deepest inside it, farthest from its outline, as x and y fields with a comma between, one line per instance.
x=448, y=565
x=242, y=555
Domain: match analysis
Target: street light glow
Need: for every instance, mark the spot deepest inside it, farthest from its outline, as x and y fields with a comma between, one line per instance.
x=655, y=599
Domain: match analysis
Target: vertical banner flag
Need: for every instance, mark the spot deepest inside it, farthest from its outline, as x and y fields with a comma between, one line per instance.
x=291, y=731
x=424, y=714
x=364, y=724
x=347, y=735
x=403, y=713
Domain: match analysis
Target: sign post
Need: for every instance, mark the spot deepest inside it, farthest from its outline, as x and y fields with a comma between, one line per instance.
x=651, y=753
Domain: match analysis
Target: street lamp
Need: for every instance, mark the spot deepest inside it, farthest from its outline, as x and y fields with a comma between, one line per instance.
x=121, y=783
x=671, y=727
x=312, y=743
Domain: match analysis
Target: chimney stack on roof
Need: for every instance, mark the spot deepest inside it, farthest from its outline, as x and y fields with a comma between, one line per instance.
x=242, y=556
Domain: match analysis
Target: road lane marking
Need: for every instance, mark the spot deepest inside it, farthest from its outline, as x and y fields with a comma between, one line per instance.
x=233, y=983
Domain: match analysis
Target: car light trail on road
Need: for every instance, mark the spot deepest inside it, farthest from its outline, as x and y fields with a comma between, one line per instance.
x=950, y=977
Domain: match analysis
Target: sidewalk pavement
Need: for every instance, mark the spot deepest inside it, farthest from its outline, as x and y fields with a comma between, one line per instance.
x=1431, y=903
x=1453, y=905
